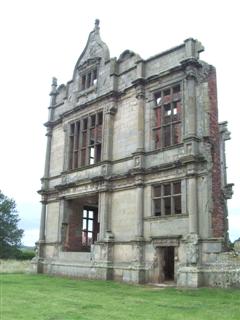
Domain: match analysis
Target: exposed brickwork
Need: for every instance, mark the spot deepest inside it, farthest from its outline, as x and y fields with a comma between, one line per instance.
x=218, y=223
x=74, y=232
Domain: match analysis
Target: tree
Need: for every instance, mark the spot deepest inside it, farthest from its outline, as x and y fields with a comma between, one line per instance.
x=10, y=234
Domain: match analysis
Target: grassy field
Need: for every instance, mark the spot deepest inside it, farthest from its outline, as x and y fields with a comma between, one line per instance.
x=40, y=297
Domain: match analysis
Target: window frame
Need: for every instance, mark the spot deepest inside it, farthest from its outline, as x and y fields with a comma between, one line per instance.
x=89, y=78
x=163, y=197
x=81, y=142
x=86, y=244
x=167, y=128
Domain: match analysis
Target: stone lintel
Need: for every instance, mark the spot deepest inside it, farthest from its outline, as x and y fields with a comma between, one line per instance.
x=166, y=241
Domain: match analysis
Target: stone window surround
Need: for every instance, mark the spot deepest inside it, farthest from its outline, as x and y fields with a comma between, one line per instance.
x=171, y=196
x=89, y=79
x=77, y=138
x=174, y=116
x=89, y=227
x=88, y=74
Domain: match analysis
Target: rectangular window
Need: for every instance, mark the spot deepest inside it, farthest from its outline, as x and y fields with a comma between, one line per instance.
x=85, y=141
x=167, y=129
x=90, y=227
x=167, y=199
x=89, y=79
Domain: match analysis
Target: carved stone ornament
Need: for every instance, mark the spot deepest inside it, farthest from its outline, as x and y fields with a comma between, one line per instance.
x=228, y=191
x=112, y=110
x=192, y=250
x=191, y=73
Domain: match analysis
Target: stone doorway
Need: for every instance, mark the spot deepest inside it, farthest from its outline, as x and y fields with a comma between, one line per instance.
x=165, y=266
x=167, y=263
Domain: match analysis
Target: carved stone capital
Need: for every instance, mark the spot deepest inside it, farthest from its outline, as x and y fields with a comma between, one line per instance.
x=112, y=110
x=225, y=134
x=191, y=73
x=228, y=191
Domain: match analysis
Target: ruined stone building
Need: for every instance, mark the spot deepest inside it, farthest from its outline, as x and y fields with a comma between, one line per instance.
x=135, y=187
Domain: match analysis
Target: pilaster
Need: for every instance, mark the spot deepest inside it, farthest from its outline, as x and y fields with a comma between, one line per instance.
x=105, y=204
x=192, y=204
x=140, y=95
x=190, y=135
x=109, y=114
x=42, y=238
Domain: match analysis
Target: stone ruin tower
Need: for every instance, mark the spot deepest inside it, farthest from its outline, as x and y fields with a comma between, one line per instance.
x=134, y=187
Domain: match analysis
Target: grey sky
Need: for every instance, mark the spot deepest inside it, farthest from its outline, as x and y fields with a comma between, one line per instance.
x=41, y=39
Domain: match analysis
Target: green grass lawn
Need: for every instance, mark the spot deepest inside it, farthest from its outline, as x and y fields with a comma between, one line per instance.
x=40, y=297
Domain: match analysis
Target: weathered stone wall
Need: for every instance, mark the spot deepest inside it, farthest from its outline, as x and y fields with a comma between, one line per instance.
x=124, y=215
x=52, y=222
x=130, y=241
x=57, y=151
x=15, y=266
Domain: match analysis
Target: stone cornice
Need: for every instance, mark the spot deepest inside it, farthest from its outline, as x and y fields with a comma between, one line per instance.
x=184, y=160
x=104, y=183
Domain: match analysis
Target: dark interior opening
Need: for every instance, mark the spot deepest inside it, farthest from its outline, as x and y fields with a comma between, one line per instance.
x=168, y=268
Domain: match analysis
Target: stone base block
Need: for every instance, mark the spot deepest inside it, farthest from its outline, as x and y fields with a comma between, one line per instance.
x=189, y=277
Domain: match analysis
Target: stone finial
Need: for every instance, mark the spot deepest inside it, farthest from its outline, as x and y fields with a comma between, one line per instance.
x=54, y=81
x=97, y=22
x=54, y=86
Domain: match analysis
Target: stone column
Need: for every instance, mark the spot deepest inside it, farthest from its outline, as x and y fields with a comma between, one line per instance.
x=53, y=95
x=105, y=215
x=104, y=244
x=63, y=222
x=105, y=193
x=45, y=183
x=190, y=105
x=109, y=113
x=140, y=121
x=139, y=209
x=190, y=136
x=47, y=158
x=42, y=238
x=192, y=203
x=43, y=221
x=138, y=248
x=140, y=96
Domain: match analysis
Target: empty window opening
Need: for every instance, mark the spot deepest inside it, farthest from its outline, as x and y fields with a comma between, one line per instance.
x=167, y=199
x=94, y=77
x=167, y=129
x=84, y=82
x=74, y=144
x=176, y=89
x=89, y=79
x=158, y=98
x=91, y=156
x=82, y=227
x=85, y=141
x=90, y=227
x=93, y=120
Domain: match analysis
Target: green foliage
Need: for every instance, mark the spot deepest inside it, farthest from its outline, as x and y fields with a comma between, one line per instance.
x=10, y=235
x=25, y=255
x=72, y=299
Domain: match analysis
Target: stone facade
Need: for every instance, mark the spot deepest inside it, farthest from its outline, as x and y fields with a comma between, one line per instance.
x=135, y=186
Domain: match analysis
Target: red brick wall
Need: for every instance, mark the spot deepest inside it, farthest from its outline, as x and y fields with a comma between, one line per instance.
x=74, y=231
x=218, y=220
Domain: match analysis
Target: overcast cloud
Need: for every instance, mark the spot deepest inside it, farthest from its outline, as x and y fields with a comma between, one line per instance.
x=41, y=39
